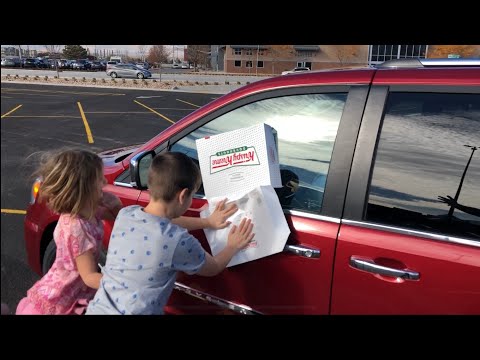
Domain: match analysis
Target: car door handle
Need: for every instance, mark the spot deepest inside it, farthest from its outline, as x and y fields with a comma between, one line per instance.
x=371, y=266
x=302, y=251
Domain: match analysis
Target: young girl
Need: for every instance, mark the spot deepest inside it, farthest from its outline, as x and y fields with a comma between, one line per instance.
x=72, y=186
x=72, y=182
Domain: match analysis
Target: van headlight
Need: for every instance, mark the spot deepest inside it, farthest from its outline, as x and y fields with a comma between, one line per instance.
x=35, y=189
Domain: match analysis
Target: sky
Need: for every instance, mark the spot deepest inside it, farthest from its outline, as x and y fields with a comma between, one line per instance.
x=132, y=49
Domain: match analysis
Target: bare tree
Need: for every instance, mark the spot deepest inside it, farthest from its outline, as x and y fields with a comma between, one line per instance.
x=142, y=51
x=344, y=52
x=198, y=55
x=277, y=53
x=54, y=53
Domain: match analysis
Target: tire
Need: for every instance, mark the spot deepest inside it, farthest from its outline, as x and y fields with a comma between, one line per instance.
x=113, y=75
x=140, y=75
x=102, y=258
x=49, y=256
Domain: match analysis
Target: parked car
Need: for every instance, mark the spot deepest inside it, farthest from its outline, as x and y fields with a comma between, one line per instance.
x=128, y=70
x=8, y=63
x=376, y=153
x=30, y=63
x=295, y=70
x=97, y=66
x=81, y=64
x=143, y=65
x=109, y=64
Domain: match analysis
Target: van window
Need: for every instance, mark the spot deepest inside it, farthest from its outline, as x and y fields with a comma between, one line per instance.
x=306, y=128
x=426, y=173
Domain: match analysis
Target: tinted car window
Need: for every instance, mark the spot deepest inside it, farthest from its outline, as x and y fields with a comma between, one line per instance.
x=306, y=128
x=427, y=152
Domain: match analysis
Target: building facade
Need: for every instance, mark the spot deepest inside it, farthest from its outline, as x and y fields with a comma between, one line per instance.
x=273, y=59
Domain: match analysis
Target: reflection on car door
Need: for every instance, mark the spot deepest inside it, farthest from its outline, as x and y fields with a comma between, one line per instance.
x=400, y=249
x=309, y=122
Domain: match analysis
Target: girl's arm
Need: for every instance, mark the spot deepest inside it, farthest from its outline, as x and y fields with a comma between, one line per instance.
x=87, y=268
x=217, y=220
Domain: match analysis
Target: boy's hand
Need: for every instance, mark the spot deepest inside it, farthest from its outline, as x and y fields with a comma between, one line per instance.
x=240, y=236
x=222, y=212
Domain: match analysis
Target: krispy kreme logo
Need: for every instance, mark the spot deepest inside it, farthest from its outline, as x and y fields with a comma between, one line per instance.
x=240, y=156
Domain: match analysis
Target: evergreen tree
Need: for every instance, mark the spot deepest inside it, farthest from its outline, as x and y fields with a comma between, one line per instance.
x=74, y=52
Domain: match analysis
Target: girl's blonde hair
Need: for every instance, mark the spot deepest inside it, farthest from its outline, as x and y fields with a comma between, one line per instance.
x=69, y=181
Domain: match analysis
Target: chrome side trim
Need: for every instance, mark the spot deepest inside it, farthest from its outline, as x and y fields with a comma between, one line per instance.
x=239, y=308
x=312, y=216
x=302, y=251
x=122, y=184
x=403, y=231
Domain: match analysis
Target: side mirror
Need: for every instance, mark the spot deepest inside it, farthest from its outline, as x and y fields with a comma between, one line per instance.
x=139, y=166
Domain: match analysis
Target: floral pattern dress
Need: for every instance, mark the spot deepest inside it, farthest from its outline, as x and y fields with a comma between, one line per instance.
x=62, y=290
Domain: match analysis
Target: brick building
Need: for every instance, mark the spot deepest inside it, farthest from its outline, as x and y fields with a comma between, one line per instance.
x=273, y=59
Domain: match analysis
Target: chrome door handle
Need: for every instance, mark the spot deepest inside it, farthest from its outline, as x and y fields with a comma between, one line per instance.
x=302, y=251
x=370, y=266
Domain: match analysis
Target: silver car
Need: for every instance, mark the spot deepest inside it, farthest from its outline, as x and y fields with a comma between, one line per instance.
x=128, y=70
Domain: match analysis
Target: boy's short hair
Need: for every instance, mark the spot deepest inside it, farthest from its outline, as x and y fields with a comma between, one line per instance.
x=170, y=173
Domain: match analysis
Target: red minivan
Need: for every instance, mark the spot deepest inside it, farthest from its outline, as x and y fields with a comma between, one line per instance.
x=386, y=217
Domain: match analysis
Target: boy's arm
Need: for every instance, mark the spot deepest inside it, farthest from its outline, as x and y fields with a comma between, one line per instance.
x=217, y=220
x=87, y=268
x=191, y=223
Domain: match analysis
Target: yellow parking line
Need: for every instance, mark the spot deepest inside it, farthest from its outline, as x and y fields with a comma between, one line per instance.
x=87, y=128
x=186, y=102
x=145, y=106
x=11, y=111
x=12, y=211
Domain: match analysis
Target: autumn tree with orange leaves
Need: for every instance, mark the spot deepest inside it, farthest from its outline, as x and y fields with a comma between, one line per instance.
x=442, y=51
x=157, y=54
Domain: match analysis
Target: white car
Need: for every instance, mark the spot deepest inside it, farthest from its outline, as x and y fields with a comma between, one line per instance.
x=295, y=70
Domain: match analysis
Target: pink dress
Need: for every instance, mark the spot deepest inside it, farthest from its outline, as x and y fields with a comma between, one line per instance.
x=61, y=290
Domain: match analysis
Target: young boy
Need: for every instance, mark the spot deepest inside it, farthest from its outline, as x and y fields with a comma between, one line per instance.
x=148, y=247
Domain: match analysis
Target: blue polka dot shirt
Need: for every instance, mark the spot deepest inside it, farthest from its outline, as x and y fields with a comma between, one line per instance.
x=144, y=255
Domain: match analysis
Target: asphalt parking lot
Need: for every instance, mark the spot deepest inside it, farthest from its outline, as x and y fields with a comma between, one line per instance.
x=41, y=117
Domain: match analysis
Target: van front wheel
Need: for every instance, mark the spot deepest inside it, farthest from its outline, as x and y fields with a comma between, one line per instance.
x=49, y=256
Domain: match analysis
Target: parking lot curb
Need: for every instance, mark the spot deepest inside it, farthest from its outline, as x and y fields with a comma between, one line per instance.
x=191, y=88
